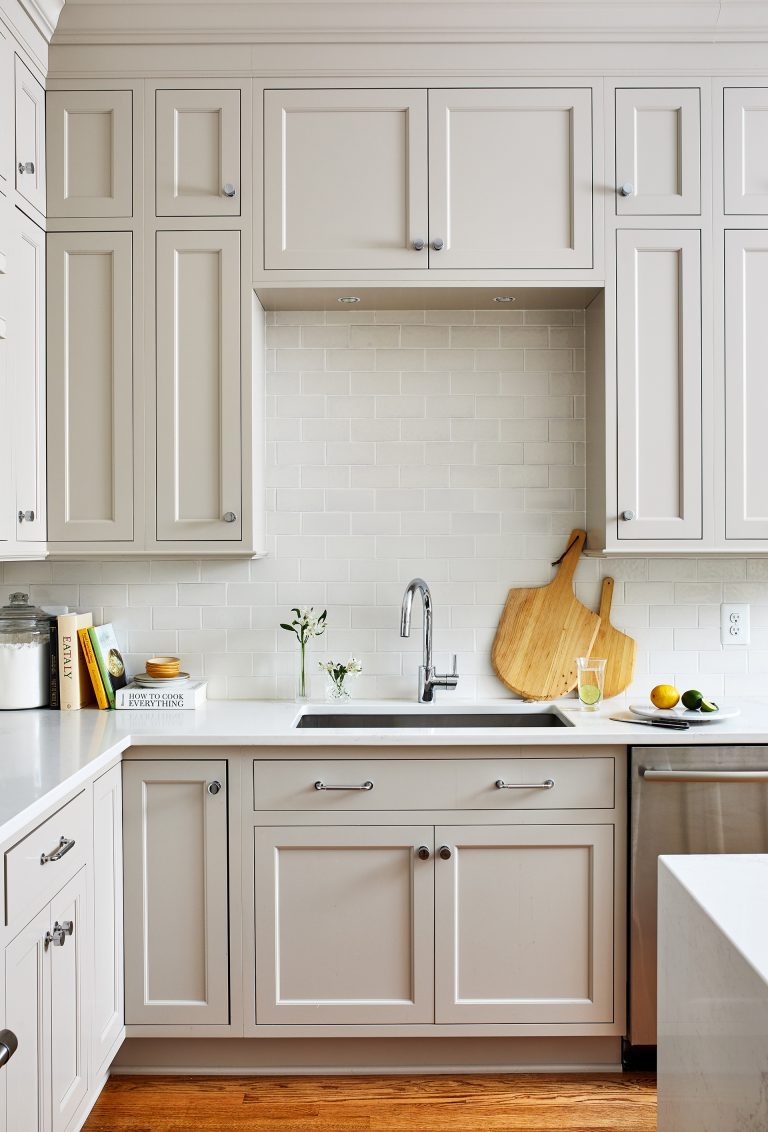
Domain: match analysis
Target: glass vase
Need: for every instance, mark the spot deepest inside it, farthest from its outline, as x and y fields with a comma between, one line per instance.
x=336, y=693
x=302, y=683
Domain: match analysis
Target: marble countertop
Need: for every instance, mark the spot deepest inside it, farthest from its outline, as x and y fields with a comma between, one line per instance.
x=45, y=755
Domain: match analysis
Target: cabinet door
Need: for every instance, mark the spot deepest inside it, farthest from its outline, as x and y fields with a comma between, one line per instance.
x=30, y=138
x=659, y=384
x=745, y=150
x=199, y=465
x=345, y=179
x=658, y=151
x=6, y=113
x=69, y=1022
x=90, y=386
x=27, y=1013
x=524, y=924
x=7, y=494
x=108, y=997
x=176, y=906
x=27, y=341
x=344, y=925
x=510, y=178
x=197, y=152
x=746, y=390
x=90, y=153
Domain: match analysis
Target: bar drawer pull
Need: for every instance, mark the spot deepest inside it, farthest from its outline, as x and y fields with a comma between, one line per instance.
x=650, y=774
x=547, y=784
x=64, y=846
x=325, y=786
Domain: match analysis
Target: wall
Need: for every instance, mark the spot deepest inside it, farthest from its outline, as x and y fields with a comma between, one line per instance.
x=442, y=443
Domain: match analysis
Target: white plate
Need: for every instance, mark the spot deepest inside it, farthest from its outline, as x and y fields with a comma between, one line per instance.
x=146, y=681
x=648, y=711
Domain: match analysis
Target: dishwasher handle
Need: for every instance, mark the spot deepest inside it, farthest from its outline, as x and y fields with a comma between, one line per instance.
x=651, y=774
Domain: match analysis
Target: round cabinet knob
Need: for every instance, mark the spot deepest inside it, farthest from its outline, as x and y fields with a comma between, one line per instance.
x=9, y=1043
x=627, y=516
x=444, y=853
x=626, y=189
x=26, y=167
x=230, y=517
x=438, y=245
x=422, y=853
x=26, y=516
x=419, y=245
x=229, y=190
x=214, y=787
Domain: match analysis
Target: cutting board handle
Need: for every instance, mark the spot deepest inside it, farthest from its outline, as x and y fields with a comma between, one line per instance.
x=570, y=560
x=606, y=597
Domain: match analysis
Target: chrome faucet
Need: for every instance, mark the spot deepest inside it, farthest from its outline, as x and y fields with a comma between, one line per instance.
x=428, y=678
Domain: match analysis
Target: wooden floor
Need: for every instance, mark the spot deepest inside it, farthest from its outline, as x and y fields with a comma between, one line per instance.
x=533, y=1102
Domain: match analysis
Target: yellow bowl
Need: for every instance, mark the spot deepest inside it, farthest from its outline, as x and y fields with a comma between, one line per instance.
x=163, y=666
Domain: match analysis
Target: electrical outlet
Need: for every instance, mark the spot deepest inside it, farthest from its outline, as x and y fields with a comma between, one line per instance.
x=734, y=624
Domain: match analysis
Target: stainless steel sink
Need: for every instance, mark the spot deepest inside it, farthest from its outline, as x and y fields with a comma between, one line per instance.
x=428, y=719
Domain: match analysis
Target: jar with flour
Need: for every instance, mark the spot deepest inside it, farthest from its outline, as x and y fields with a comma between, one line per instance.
x=25, y=654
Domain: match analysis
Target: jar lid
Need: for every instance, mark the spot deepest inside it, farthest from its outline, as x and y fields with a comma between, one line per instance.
x=20, y=614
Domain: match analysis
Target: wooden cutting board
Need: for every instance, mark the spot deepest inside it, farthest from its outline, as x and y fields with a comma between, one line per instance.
x=617, y=648
x=541, y=632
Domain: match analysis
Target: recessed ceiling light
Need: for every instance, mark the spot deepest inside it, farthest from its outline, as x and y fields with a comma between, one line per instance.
x=504, y=299
x=349, y=299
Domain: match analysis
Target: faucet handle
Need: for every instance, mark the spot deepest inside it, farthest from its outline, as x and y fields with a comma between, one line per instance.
x=454, y=667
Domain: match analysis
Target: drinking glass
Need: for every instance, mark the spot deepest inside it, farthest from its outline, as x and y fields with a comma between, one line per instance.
x=591, y=676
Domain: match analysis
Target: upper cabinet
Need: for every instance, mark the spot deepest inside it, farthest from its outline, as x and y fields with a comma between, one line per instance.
x=745, y=142
x=197, y=152
x=27, y=349
x=89, y=138
x=30, y=138
x=658, y=151
x=6, y=113
x=490, y=179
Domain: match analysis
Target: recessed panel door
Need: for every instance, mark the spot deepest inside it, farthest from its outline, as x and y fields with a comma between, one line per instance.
x=745, y=150
x=658, y=151
x=197, y=152
x=27, y=1013
x=68, y=954
x=27, y=347
x=30, y=138
x=90, y=153
x=108, y=978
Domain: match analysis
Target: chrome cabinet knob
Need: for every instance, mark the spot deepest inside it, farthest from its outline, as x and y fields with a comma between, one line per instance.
x=214, y=787
x=58, y=937
x=9, y=1043
x=26, y=167
x=627, y=189
x=627, y=516
x=26, y=516
x=419, y=245
x=422, y=853
x=229, y=189
x=438, y=245
x=230, y=517
x=444, y=853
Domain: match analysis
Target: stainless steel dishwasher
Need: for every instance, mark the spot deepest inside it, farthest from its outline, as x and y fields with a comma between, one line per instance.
x=683, y=799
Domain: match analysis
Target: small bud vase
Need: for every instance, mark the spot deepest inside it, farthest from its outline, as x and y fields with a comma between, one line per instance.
x=336, y=693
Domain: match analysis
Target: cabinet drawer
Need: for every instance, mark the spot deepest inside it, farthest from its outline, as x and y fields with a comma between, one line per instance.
x=30, y=883
x=434, y=785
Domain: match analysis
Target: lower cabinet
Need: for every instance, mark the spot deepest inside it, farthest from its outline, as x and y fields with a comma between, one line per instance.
x=107, y=974
x=47, y=1078
x=176, y=905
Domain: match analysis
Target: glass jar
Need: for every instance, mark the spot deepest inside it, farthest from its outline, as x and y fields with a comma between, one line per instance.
x=25, y=655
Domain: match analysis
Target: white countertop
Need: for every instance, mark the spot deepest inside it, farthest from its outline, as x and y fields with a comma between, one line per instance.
x=44, y=754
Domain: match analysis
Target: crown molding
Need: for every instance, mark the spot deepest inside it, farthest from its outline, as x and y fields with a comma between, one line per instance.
x=44, y=14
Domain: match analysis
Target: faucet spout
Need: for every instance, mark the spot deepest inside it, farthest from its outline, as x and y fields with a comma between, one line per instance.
x=428, y=678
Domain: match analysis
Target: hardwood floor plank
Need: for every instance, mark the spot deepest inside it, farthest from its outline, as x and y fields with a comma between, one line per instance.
x=469, y=1103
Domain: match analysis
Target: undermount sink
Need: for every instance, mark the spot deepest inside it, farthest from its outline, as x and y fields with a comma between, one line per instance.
x=361, y=721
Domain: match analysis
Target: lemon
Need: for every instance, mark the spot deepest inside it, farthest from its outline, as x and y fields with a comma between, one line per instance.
x=589, y=694
x=664, y=696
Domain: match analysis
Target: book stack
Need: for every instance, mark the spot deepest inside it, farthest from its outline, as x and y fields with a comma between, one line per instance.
x=89, y=666
x=189, y=694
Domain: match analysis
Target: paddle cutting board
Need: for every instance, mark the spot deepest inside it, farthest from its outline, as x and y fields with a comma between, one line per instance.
x=541, y=632
x=617, y=648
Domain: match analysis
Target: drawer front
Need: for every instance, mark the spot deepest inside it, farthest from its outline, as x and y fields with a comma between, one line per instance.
x=386, y=784
x=61, y=841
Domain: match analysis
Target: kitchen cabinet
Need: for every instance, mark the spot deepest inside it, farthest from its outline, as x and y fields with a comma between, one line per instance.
x=108, y=984
x=89, y=153
x=658, y=151
x=745, y=150
x=90, y=387
x=659, y=385
x=45, y=969
x=27, y=345
x=30, y=139
x=176, y=892
x=409, y=179
x=197, y=152
x=524, y=923
x=6, y=113
x=199, y=415
x=344, y=925
x=7, y=494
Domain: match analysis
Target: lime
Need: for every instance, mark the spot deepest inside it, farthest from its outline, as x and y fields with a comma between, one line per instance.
x=709, y=706
x=589, y=694
x=692, y=699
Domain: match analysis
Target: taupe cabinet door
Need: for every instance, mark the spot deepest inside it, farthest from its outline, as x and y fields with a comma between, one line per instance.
x=30, y=138
x=176, y=903
x=27, y=344
x=659, y=384
x=345, y=179
x=27, y=1014
x=199, y=467
x=69, y=1026
x=197, y=152
x=90, y=387
x=745, y=150
x=524, y=924
x=658, y=151
x=108, y=982
x=344, y=925
x=510, y=178
x=90, y=150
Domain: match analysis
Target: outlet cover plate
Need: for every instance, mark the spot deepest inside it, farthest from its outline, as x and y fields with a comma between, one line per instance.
x=734, y=624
